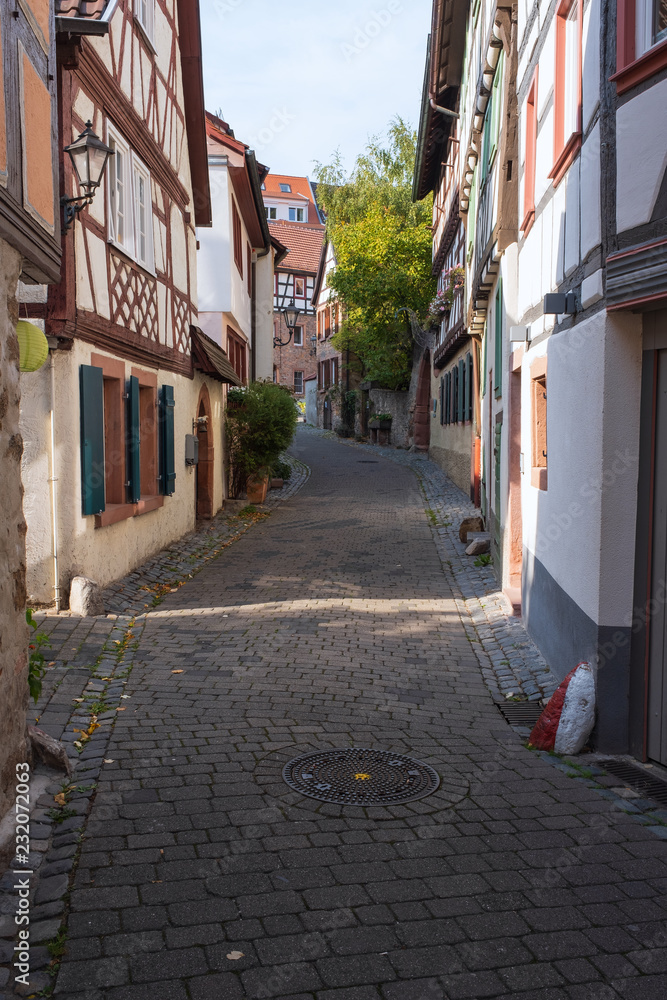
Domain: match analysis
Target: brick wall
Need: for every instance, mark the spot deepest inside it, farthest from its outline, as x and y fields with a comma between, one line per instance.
x=289, y=359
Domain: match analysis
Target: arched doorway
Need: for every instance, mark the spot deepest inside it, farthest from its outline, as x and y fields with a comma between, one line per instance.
x=204, y=470
x=422, y=413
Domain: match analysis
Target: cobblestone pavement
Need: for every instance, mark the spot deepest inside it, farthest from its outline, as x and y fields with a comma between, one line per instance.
x=511, y=662
x=202, y=876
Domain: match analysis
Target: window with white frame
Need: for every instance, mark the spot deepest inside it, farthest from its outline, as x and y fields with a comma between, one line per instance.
x=298, y=336
x=129, y=201
x=271, y=213
x=285, y=188
x=298, y=383
x=296, y=215
x=144, y=11
x=571, y=81
x=650, y=24
x=299, y=287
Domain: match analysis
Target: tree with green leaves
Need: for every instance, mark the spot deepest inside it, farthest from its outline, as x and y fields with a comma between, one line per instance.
x=382, y=242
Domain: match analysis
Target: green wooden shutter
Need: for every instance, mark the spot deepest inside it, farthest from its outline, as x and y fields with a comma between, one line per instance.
x=469, y=387
x=472, y=217
x=455, y=394
x=167, y=463
x=462, y=391
x=448, y=397
x=91, y=384
x=498, y=363
x=133, y=442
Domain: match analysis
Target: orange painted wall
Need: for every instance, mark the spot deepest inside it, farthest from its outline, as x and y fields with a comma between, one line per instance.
x=40, y=11
x=37, y=128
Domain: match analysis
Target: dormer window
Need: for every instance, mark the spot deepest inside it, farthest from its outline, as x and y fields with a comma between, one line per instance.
x=271, y=213
x=144, y=11
x=286, y=188
x=296, y=215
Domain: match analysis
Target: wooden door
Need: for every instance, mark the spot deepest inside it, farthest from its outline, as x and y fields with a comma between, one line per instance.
x=496, y=499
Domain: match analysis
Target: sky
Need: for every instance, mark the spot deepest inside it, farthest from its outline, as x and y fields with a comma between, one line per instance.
x=298, y=79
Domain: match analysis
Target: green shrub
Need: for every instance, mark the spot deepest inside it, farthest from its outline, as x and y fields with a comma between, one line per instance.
x=261, y=420
x=281, y=470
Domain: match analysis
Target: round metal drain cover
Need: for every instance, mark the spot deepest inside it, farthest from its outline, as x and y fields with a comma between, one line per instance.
x=360, y=777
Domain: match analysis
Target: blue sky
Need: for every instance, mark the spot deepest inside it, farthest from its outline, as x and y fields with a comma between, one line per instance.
x=298, y=79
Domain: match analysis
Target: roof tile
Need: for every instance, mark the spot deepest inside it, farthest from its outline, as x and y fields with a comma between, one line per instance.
x=304, y=244
x=93, y=9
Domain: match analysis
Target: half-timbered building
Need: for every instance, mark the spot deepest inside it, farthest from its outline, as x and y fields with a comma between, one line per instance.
x=136, y=386
x=29, y=251
x=294, y=355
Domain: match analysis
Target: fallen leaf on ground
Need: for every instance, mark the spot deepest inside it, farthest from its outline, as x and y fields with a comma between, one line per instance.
x=123, y=709
x=235, y=955
x=78, y=699
x=109, y=760
x=60, y=799
x=125, y=696
x=177, y=671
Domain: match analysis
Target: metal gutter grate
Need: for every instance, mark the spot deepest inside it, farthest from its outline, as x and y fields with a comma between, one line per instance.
x=520, y=713
x=636, y=777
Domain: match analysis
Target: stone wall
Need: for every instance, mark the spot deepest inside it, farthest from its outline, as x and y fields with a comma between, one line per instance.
x=396, y=403
x=13, y=629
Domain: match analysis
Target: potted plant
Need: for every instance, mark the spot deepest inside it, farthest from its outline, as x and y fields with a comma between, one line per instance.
x=259, y=426
x=381, y=421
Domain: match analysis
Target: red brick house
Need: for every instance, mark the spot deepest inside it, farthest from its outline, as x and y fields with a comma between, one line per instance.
x=295, y=221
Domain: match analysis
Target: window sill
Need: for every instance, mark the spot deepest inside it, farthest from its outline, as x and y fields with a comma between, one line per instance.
x=116, y=512
x=538, y=478
x=528, y=221
x=566, y=158
x=641, y=69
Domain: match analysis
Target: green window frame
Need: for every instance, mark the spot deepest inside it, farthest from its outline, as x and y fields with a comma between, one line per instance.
x=132, y=424
x=498, y=342
x=166, y=441
x=91, y=394
x=462, y=391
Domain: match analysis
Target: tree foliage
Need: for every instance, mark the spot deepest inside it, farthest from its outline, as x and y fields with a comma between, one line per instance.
x=260, y=424
x=382, y=242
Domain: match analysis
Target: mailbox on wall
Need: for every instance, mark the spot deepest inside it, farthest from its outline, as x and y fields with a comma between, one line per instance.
x=191, y=449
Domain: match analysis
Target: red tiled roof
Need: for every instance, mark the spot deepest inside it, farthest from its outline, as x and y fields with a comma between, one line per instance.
x=93, y=9
x=304, y=245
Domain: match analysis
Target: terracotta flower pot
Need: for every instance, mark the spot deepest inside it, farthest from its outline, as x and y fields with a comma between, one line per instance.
x=256, y=487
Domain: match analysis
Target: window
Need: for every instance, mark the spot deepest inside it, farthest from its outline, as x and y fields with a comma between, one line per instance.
x=334, y=371
x=298, y=383
x=567, y=90
x=121, y=439
x=298, y=336
x=296, y=215
x=248, y=258
x=285, y=188
x=271, y=213
x=236, y=349
x=144, y=11
x=238, y=243
x=299, y=288
x=538, y=386
x=472, y=215
x=130, y=202
x=641, y=43
x=530, y=119
x=492, y=121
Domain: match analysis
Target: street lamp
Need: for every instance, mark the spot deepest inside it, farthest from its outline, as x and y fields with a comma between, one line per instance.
x=291, y=314
x=89, y=157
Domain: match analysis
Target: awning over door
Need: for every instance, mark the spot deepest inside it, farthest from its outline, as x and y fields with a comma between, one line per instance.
x=210, y=359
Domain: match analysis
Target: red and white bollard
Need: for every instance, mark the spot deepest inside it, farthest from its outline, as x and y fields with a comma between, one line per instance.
x=568, y=719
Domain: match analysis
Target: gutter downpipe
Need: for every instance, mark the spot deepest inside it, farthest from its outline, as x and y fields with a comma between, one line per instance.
x=53, y=479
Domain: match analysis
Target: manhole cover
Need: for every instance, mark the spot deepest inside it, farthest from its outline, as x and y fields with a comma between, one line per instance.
x=360, y=777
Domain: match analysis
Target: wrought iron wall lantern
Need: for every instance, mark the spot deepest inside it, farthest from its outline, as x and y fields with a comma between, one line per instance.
x=89, y=156
x=291, y=314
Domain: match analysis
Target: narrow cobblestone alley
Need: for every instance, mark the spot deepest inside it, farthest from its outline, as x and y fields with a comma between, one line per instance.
x=203, y=876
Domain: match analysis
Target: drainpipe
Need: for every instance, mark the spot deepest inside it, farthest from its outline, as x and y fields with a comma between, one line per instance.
x=253, y=311
x=53, y=479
